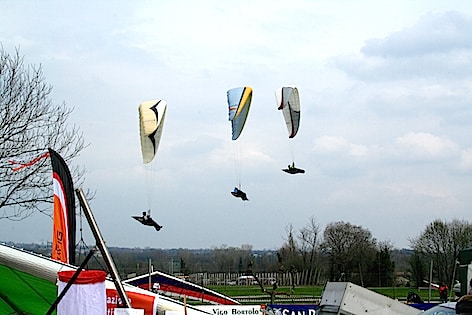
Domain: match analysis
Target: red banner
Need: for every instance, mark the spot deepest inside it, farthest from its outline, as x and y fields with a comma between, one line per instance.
x=137, y=300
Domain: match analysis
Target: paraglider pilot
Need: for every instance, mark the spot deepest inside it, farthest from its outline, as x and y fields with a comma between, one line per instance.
x=238, y=193
x=293, y=170
x=147, y=220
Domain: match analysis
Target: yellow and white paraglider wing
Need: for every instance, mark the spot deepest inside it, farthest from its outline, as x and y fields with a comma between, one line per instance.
x=239, y=102
x=151, y=121
x=289, y=102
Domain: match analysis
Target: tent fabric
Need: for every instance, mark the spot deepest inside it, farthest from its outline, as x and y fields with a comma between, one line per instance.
x=23, y=293
x=29, y=284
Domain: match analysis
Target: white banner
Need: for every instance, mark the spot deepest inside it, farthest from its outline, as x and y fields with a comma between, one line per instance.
x=231, y=309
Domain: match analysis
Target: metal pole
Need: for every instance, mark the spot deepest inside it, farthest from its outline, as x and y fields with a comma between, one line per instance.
x=452, y=281
x=103, y=249
x=430, y=280
x=149, y=270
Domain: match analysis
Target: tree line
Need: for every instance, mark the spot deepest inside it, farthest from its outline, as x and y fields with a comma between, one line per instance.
x=349, y=252
x=309, y=256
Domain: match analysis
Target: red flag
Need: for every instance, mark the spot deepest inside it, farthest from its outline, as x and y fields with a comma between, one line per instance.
x=63, y=238
x=22, y=164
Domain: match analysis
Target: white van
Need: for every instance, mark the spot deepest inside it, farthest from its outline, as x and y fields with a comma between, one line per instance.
x=246, y=280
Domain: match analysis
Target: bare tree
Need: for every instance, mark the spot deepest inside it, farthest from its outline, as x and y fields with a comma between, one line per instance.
x=440, y=243
x=29, y=124
x=310, y=240
x=289, y=253
x=288, y=258
x=350, y=249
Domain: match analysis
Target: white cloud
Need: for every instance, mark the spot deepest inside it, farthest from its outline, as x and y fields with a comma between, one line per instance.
x=433, y=33
x=425, y=146
x=466, y=160
x=437, y=46
x=338, y=144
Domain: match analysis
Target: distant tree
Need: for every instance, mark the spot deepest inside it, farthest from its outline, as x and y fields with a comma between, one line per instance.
x=381, y=271
x=231, y=259
x=183, y=267
x=350, y=249
x=401, y=257
x=188, y=259
x=440, y=243
x=387, y=266
x=29, y=124
x=224, y=259
x=418, y=269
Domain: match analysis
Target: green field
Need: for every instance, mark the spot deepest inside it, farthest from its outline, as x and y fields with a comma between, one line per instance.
x=399, y=293
x=241, y=290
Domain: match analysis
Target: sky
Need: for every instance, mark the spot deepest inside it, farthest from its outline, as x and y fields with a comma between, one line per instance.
x=386, y=105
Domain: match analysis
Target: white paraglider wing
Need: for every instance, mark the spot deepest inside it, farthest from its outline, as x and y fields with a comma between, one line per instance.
x=151, y=121
x=289, y=102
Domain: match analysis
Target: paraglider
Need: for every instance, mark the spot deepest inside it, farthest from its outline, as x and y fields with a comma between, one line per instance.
x=238, y=193
x=291, y=169
x=288, y=101
x=151, y=122
x=146, y=219
x=239, y=102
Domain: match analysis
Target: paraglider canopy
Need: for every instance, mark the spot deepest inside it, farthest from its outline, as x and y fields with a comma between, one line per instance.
x=151, y=121
x=239, y=102
x=289, y=102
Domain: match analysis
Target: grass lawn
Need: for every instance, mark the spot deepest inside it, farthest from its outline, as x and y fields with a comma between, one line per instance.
x=399, y=293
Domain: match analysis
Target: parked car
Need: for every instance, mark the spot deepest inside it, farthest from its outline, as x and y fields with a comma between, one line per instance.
x=246, y=280
x=448, y=308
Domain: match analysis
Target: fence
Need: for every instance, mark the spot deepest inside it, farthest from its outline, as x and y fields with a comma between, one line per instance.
x=265, y=278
